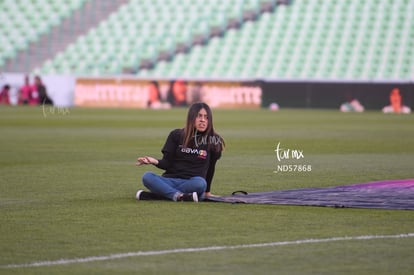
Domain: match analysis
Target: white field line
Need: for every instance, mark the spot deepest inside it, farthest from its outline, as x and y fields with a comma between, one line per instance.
x=201, y=249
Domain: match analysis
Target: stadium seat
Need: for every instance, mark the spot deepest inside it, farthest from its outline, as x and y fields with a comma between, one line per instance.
x=24, y=21
x=338, y=39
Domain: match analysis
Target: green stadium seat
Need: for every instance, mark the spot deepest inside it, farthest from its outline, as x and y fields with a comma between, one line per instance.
x=336, y=39
x=25, y=20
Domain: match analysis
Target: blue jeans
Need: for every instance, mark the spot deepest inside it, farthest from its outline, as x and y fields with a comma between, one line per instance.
x=173, y=187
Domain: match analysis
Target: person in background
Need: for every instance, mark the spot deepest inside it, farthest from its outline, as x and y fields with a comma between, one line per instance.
x=177, y=94
x=180, y=93
x=352, y=106
x=154, y=97
x=41, y=92
x=25, y=91
x=5, y=95
x=395, y=100
x=396, y=104
x=189, y=160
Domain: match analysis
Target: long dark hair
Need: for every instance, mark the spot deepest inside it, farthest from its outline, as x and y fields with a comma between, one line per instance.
x=215, y=141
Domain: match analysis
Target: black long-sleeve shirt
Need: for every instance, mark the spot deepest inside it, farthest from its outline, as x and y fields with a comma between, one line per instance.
x=180, y=162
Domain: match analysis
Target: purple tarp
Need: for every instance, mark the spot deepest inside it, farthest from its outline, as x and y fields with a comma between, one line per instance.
x=390, y=194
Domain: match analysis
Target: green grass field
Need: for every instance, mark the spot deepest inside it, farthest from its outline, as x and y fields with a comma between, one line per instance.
x=68, y=181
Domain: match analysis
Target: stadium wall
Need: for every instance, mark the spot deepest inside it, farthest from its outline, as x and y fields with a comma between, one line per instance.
x=373, y=96
x=118, y=92
x=130, y=92
x=135, y=93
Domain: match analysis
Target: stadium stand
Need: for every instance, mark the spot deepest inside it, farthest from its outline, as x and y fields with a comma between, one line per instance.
x=346, y=40
x=23, y=22
x=370, y=40
x=143, y=32
x=42, y=28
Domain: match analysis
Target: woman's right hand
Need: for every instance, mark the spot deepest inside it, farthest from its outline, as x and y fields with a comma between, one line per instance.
x=146, y=160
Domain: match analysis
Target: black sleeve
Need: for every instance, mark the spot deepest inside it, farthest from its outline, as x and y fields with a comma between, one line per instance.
x=211, y=169
x=168, y=151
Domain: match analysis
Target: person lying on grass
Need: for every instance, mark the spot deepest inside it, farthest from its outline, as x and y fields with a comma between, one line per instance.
x=189, y=159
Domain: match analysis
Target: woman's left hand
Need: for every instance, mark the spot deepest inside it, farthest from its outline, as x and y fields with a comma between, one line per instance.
x=208, y=194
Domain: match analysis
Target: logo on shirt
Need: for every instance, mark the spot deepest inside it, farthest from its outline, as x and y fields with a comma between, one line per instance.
x=201, y=153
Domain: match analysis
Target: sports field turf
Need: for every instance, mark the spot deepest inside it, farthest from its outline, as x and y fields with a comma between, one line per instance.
x=68, y=181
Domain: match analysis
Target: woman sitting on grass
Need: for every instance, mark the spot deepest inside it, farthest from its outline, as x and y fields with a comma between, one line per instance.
x=189, y=159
